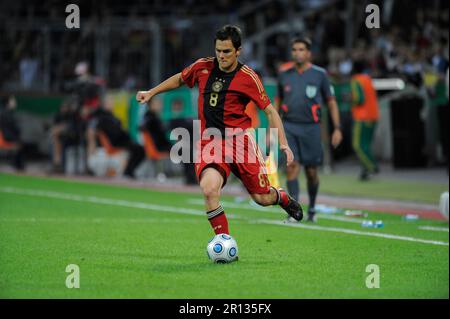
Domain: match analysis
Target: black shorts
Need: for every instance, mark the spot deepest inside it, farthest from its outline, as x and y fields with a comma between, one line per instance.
x=304, y=139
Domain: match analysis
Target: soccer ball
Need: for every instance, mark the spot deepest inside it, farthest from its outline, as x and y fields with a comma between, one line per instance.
x=222, y=249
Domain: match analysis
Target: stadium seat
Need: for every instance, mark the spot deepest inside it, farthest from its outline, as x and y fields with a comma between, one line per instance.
x=150, y=148
x=106, y=144
x=5, y=145
x=155, y=156
x=117, y=160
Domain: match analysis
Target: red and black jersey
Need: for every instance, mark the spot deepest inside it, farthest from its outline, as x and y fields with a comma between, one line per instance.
x=223, y=96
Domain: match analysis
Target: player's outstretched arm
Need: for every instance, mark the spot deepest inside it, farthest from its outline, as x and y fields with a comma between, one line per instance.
x=171, y=83
x=275, y=122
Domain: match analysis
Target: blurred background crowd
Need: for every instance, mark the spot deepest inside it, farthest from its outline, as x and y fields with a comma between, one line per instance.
x=412, y=41
x=68, y=85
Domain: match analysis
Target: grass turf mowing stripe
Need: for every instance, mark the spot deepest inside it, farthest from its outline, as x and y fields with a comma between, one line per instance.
x=121, y=259
x=172, y=209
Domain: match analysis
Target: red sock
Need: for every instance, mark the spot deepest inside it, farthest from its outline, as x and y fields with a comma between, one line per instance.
x=218, y=221
x=282, y=197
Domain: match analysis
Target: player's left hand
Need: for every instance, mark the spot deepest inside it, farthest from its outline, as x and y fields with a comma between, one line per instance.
x=336, y=138
x=289, y=154
x=143, y=96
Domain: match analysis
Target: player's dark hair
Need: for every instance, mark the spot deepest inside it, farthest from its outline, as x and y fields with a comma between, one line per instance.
x=229, y=32
x=358, y=66
x=306, y=41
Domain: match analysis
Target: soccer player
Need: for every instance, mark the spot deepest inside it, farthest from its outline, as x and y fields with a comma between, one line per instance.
x=303, y=88
x=365, y=114
x=225, y=88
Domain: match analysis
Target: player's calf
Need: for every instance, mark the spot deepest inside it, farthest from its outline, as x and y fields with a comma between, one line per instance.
x=211, y=183
x=265, y=199
x=282, y=198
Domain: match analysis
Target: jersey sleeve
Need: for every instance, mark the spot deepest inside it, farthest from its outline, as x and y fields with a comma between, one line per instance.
x=327, y=89
x=256, y=92
x=189, y=74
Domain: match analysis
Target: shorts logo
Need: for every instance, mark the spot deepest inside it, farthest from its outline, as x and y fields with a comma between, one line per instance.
x=287, y=88
x=217, y=86
x=311, y=91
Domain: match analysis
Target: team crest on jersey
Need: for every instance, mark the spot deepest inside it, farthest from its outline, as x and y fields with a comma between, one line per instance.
x=217, y=86
x=311, y=91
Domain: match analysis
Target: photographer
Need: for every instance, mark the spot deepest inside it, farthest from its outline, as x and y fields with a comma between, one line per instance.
x=87, y=91
x=103, y=120
x=11, y=132
x=64, y=132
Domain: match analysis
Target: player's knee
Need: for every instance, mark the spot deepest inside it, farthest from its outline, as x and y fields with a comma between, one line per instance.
x=293, y=170
x=210, y=190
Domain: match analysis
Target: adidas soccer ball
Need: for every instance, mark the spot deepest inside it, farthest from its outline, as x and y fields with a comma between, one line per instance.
x=222, y=249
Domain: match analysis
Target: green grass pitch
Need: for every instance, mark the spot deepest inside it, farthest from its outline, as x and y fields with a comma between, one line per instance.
x=138, y=243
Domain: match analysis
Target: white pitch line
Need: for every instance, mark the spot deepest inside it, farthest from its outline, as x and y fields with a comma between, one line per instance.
x=355, y=232
x=99, y=200
x=246, y=206
x=444, y=229
x=183, y=210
